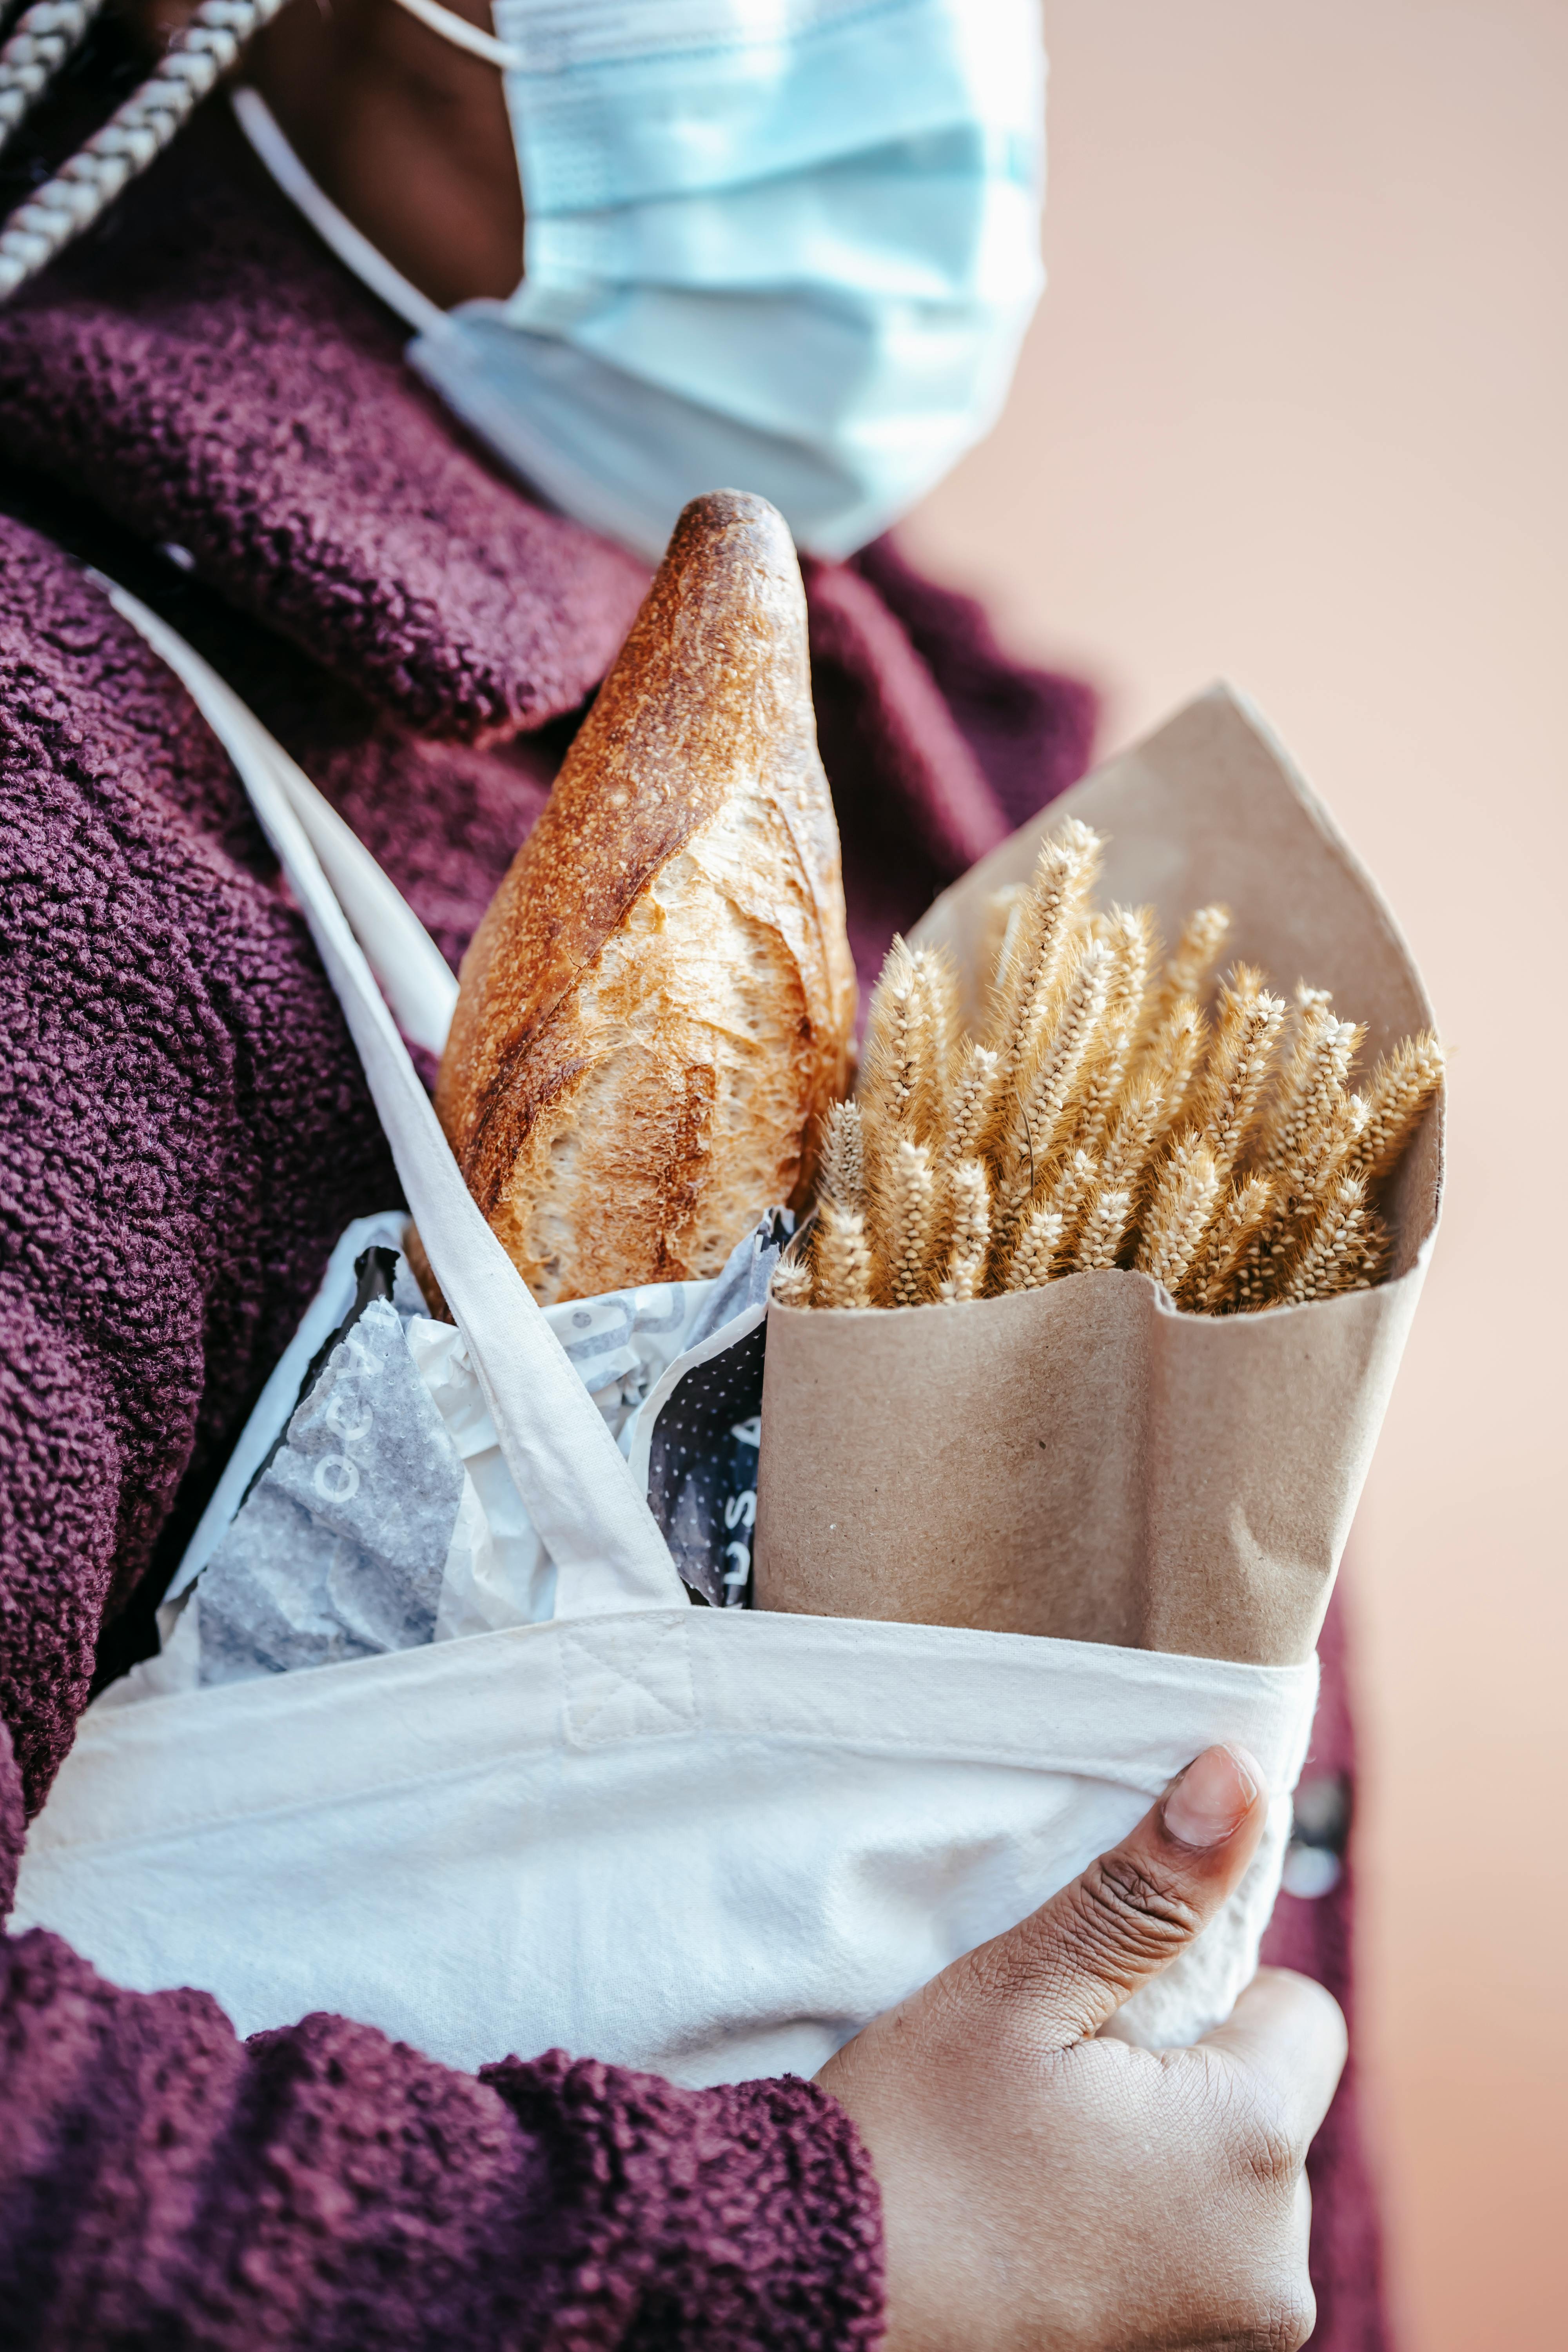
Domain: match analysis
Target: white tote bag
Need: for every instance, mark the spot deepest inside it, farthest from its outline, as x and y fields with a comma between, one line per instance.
x=710, y=1843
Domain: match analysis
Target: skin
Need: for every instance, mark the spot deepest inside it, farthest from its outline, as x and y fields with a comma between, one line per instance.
x=408, y=135
x=1045, y=2186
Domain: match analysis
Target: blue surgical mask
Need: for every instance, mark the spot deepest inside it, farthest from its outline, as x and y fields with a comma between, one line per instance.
x=784, y=246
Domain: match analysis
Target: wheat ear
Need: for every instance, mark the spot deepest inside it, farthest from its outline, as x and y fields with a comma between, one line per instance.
x=1301, y=1048
x=908, y=1222
x=1397, y=1093
x=1330, y=1255
x=969, y=1194
x=1188, y=966
x=1038, y=956
x=999, y=921
x=1129, y=936
x=1236, y=1068
x=938, y=995
x=1371, y=1258
x=895, y=1078
x=1148, y=1102
x=1196, y=952
x=1180, y=1206
x=1042, y=1111
x=1042, y=1107
x=841, y=1159
x=1104, y=1230
x=969, y=1104
x=1067, y=1195
x=1322, y=1152
x=1073, y=1186
x=1212, y=1279
x=792, y=1283
x=842, y=1258
x=1033, y=1261
x=1153, y=1097
x=1318, y=1053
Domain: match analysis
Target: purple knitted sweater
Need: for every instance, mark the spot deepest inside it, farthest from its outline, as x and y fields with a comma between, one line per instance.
x=185, y=1132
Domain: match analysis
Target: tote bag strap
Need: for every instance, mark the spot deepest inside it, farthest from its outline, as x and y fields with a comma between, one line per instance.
x=578, y=1491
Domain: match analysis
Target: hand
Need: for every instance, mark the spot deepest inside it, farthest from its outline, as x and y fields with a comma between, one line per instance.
x=1047, y=2191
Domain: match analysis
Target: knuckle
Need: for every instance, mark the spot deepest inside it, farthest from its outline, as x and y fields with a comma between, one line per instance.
x=1123, y=1912
x=993, y=1972
x=1268, y=2151
x=1119, y=1923
x=1271, y=2159
x=1289, y=2323
x=1283, y=2325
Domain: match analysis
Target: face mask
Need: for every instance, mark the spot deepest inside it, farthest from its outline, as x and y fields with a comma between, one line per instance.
x=781, y=246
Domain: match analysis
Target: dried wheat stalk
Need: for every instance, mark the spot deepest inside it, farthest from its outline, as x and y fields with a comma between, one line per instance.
x=1181, y=1204
x=1071, y=1194
x=1034, y=1260
x=998, y=927
x=841, y=1258
x=1103, y=1119
x=1237, y=1226
x=841, y=1162
x=1330, y=1257
x=1188, y=966
x=1044, y=1106
x=969, y=1104
x=969, y=1243
x=898, y=1076
x=1104, y=1230
x=794, y=1284
x=1040, y=947
x=1129, y=937
x=1401, y=1088
x=1239, y=1063
x=1153, y=1098
x=908, y=1205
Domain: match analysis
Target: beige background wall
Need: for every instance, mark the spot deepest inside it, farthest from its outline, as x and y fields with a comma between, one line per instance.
x=1296, y=410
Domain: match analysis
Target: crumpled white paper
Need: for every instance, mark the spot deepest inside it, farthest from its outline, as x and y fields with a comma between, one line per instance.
x=379, y=1513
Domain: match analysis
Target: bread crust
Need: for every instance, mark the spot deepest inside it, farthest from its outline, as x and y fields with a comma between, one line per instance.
x=657, y=1005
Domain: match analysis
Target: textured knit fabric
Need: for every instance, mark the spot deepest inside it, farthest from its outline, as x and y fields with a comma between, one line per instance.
x=163, y=2185
x=175, y=1061
x=186, y=1131
x=214, y=389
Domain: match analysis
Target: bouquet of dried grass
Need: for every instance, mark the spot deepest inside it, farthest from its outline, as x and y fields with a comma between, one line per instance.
x=1114, y=1110
x=1151, y=1453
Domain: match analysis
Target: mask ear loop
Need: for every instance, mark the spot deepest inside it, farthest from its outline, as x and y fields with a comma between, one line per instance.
x=335, y=229
x=461, y=32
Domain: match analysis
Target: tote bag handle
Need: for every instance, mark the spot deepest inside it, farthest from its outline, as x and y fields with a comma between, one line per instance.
x=567, y=1469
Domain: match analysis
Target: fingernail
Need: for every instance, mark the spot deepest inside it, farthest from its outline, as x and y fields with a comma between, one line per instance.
x=1213, y=1796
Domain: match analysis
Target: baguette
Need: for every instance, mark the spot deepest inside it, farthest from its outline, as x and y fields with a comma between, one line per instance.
x=656, y=1012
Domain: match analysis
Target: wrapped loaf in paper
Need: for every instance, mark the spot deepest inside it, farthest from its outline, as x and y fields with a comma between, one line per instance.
x=1084, y=1459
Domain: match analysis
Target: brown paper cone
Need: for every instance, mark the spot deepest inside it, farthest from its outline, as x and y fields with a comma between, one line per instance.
x=1084, y=1460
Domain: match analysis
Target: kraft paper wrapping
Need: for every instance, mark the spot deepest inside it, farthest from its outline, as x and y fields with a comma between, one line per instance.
x=1085, y=1460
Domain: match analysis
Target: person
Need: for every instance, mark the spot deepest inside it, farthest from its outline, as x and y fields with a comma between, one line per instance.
x=203, y=398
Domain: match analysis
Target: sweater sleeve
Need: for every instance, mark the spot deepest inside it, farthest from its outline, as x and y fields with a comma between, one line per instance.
x=164, y=2184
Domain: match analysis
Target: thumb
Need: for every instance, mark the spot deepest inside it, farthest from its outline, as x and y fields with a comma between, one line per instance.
x=1128, y=1916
